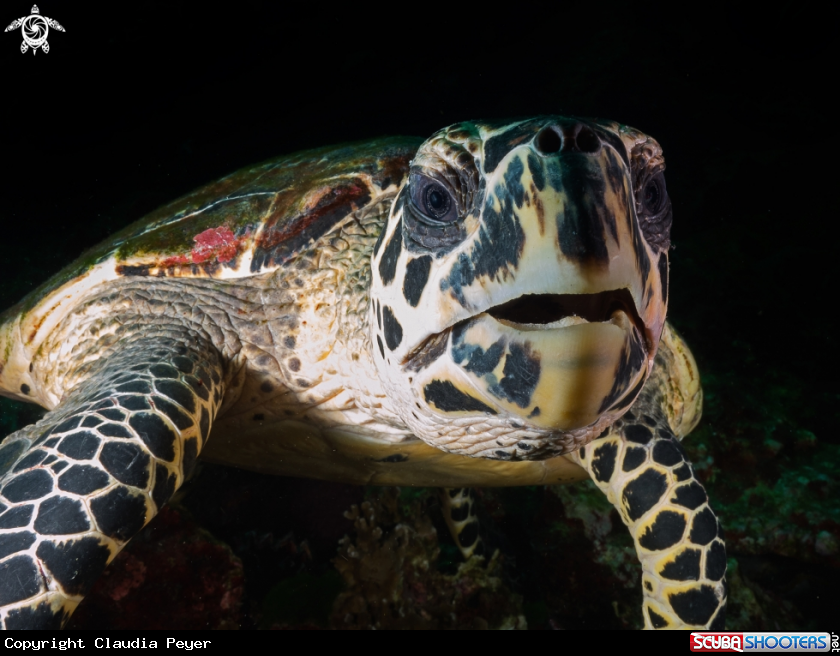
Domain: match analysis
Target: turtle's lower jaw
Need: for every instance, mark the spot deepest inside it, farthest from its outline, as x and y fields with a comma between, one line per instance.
x=554, y=364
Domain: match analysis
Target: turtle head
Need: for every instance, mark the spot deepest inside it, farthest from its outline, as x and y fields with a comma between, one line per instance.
x=519, y=288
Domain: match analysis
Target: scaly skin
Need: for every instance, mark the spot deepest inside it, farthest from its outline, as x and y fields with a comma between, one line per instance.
x=642, y=469
x=82, y=481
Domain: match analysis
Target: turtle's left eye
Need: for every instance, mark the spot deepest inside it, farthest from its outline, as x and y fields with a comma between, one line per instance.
x=433, y=199
x=654, y=195
x=654, y=208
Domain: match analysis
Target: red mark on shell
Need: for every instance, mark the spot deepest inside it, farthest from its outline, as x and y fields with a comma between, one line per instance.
x=178, y=260
x=214, y=242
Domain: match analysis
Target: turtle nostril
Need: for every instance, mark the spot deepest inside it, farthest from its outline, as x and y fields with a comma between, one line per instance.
x=587, y=141
x=574, y=138
x=548, y=141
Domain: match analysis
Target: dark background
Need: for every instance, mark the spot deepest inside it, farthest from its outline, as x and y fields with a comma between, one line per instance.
x=135, y=105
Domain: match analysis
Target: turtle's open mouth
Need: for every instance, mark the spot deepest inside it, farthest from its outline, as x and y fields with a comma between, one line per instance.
x=538, y=309
x=532, y=312
x=546, y=311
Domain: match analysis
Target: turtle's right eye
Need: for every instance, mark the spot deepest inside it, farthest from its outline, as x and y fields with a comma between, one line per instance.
x=433, y=200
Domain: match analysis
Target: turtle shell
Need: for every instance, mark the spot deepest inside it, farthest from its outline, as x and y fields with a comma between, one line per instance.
x=247, y=223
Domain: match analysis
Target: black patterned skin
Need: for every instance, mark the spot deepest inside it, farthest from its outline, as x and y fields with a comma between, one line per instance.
x=81, y=482
x=642, y=468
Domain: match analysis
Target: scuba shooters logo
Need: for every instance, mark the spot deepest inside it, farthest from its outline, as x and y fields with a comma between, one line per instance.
x=789, y=641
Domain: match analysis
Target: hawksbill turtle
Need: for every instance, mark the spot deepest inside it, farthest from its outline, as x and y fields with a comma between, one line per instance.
x=485, y=308
x=35, y=29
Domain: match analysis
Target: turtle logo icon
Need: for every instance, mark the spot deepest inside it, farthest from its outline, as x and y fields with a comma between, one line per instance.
x=34, y=29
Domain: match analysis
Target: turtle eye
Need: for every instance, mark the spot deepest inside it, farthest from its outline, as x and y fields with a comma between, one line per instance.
x=433, y=199
x=654, y=195
x=436, y=201
x=654, y=209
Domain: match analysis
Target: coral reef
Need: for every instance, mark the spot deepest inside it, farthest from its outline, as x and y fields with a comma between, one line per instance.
x=389, y=568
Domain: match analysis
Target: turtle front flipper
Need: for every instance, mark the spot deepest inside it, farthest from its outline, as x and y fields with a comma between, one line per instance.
x=81, y=482
x=643, y=470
